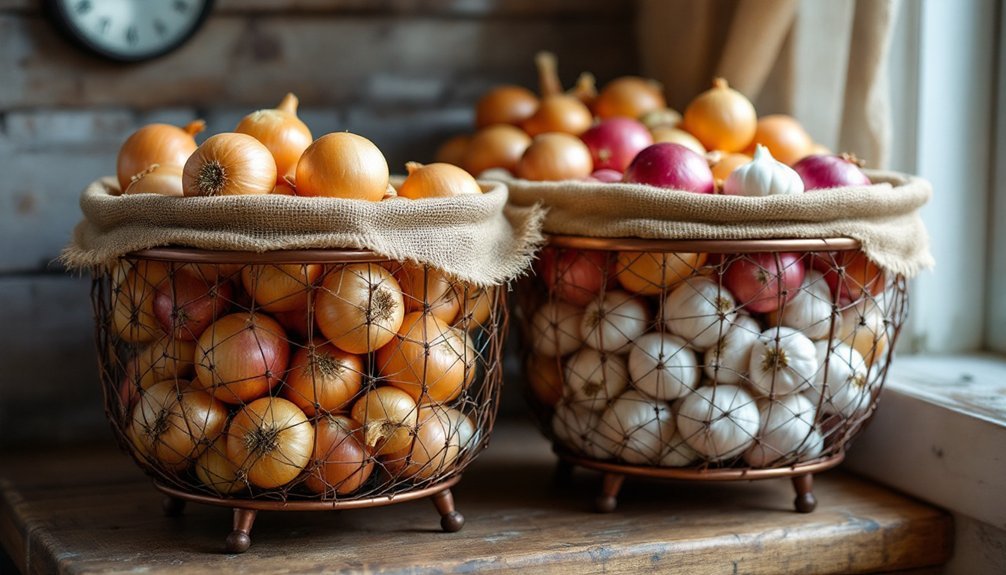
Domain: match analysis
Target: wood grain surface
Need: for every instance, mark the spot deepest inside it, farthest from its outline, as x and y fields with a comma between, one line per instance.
x=90, y=511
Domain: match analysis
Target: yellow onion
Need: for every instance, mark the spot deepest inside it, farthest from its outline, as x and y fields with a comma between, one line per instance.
x=156, y=144
x=437, y=181
x=229, y=164
x=281, y=131
x=163, y=179
x=343, y=165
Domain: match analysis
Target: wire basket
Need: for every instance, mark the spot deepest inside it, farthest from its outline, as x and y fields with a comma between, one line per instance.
x=312, y=379
x=706, y=360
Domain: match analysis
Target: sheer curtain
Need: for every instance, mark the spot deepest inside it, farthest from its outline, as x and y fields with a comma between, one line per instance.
x=823, y=62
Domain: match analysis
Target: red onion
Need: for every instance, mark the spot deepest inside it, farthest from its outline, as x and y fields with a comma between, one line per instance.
x=760, y=285
x=821, y=172
x=605, y=175
x=576, y=276
x=672, y=166
x=614, y=142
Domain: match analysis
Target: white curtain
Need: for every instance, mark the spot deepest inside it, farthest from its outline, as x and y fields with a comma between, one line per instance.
x=822, y=61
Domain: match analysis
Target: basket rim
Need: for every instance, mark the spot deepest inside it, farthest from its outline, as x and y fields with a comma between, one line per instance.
x=201, y=256
x=707, y=246
x=309, y=504
x=701, y=473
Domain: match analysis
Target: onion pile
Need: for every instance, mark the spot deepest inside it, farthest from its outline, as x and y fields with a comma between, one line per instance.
x=617, y=123
x=300, y=377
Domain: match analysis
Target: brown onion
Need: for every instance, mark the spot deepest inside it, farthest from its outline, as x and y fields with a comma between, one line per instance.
x=343, y=165
x=437, y=181
x=229, y=164
x=559, y=113
x=162, y=179
x=499, y=146
x=281, y=131
x=555, y=156
x=629, y=97
x=156, y=144
x=721, y=118
x=505, y=105
x=453, y=150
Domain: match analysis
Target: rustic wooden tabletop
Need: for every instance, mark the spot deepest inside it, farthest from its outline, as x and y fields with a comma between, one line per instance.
x=92, y=511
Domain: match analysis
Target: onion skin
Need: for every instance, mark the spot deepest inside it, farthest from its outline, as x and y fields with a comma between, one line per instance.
x=229, y=164
x=824, y=172
x=559, y=113
x=614, y=142
x=629, y=97
x=428, y=359
x=727, y=163
x=272, y=441
x=554, y=157
x=323, y=378
x=453, y=150
x=188, y=304
x=760, y=284
x=359, y=307
x=241, y=357
x=281, y=131
x=677, y=136
x=499, y=146
x=161, y=179
x=343, y=165
x=341, y=462
x=721, y=118
x=575, y=276
x=156, y=144
x=784, y=137
x=671, y=166
x=437, y=181
x=387, y=414
x=505, y=105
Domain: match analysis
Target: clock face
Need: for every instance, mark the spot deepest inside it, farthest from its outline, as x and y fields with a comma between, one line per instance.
x=129, y=30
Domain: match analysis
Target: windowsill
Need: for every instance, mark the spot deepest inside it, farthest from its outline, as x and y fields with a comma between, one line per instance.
x=940, y=434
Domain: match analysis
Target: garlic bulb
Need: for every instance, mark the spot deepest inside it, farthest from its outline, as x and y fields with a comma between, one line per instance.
x=719, y=422
x=662, y=366
x=572, y=425
x=783, y=361
x=635, y=428
x=729, y=359
x=593, y=378
x=678, y=453
x=555, y=328
x=845, y=384
x=763, y=176
x=612, y=322
x=811, y=309
x=700, y=311
x=786, y=433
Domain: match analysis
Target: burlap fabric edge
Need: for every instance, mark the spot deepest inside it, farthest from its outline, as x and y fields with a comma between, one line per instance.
x=883, y=217
x=481, y=239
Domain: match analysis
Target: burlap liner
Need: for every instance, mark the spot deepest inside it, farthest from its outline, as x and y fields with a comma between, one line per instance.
x=475, y=238
x=884, y=217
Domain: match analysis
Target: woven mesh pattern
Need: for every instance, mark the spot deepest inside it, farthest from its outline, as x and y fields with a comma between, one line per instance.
x=747, y=360
x=294, y=380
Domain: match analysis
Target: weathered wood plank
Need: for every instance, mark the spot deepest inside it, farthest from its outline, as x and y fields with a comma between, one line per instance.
x=414, y=7
x=517, y=522
x=49, y=390
x=326, y=61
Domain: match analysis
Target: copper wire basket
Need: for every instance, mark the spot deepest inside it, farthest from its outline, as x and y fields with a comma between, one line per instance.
x=297, y=380
x=706, y=360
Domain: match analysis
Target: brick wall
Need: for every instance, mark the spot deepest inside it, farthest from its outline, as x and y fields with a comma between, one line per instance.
x=402, y=72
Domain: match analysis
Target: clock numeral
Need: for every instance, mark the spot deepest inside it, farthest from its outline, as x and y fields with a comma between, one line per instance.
x=132, y=36
x=103, y=25
x=181, y=6
x=83, y=7
x=160, y=27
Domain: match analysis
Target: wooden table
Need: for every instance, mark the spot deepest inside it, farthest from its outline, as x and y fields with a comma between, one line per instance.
x=90, y=511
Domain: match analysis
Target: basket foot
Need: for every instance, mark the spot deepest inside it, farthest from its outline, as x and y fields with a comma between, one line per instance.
x=450, y=520
x=239, y=539
x=172, y=506
x=805, y=501
x=563, y=475
x=611, y=484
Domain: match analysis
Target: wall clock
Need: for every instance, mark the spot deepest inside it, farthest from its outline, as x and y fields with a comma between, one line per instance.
x=128, y=30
